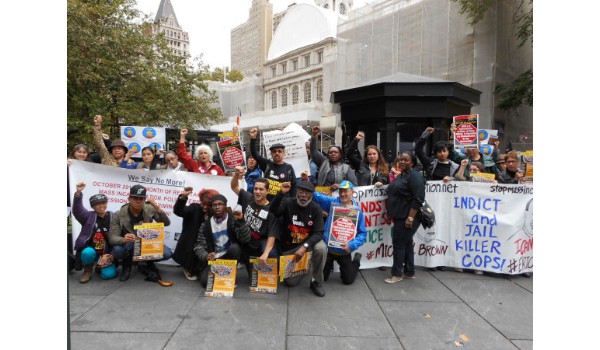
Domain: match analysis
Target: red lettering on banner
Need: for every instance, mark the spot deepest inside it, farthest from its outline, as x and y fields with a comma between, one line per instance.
x=524, y=245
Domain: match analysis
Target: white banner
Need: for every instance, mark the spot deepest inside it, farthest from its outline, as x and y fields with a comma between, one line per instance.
x=138, y=137
x=294, y=138
x=163, y=185
x=479, y=226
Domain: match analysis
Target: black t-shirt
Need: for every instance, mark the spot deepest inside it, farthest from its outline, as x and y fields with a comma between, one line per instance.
x=441, y=170
x=262, y=223
x=99, y=239
x=277, y=174
x=300, y=224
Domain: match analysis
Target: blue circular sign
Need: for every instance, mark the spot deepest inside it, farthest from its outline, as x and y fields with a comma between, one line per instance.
x=149, y=133
x=483, y=135
x=129, y=132
x=486, y=149
x=155, y=146
x=135, y=146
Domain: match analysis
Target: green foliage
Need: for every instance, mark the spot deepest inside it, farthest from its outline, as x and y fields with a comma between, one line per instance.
x=517, y=93
x=474, y=9
x=217, y=74
x=117, y=67
x=235, y=75
x=524, y=23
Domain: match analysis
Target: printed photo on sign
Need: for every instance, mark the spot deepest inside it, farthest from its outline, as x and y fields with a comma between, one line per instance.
x=289, y=267
x=343, y=226
x=264, y=276
x=221, y=278
x=149, y=244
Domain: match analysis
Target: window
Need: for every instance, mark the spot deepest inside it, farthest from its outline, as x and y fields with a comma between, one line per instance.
x=342, y=9
x=320, y=90
x=284, y=97
x=295, y=64
x=320, y=56
x=274, y=100
x=273, y=71
x=283, y=68
x=307, y=97
x=307, y=60
x=295, y=91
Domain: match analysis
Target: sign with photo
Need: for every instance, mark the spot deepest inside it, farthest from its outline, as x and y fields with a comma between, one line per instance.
x=264, y=276
x=149, y=243
x=289, y=267
x=221, y=278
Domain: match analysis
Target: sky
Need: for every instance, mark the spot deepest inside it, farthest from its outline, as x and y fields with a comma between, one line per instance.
x=209, y=24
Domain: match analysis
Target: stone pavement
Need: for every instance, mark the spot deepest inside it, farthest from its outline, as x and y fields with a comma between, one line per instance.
x=437, y=310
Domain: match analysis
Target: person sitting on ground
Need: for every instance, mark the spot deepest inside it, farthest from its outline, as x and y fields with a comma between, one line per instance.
x=217, y=237
x=150, y=159
x=332, y=169
x=92, y=241
x=193, y=216
x=348, y=266
x=276, y=171
x=123, y=235
x=302, y=231
x=172, y=162
x=371, y=169
x=439, y=167
x=512, y=174
x=395, y=170
x=115, y=154
x=252, y=172
x=262, y=223
x=204, y=154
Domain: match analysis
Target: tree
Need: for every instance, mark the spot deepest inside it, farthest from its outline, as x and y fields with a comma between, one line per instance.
x=519, y=91
x=216, y=74
x=118, y=67
x=235, y=75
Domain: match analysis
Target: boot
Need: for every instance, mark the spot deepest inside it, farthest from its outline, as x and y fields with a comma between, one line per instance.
x=86, y=276
x=125, y=269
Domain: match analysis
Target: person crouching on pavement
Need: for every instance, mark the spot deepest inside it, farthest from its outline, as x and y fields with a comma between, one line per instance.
x=301, y=231
x=348, y=267
x=122, y=235
x=217, y=238
x=92, y=241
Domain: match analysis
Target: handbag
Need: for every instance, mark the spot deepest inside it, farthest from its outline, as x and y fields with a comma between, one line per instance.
x=427, y=215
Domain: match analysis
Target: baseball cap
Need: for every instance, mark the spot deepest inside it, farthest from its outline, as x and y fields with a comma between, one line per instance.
x=137, y=191
x=277, y=145
x=98, y=198
x=306, y=185
x=346, y=184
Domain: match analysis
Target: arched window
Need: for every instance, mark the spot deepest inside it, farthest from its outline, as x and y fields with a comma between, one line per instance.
x=284, y=97
x=307, y=97
x=295, y=92
x=320, y=90
x=342, y=9
x=274, y=99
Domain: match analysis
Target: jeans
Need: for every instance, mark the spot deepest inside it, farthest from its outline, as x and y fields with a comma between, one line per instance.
x=317, y=264
x=348, y=268
x=402, y=241
x=125, y=251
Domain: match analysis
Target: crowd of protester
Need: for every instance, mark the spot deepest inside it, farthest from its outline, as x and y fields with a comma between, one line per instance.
x=279, y=213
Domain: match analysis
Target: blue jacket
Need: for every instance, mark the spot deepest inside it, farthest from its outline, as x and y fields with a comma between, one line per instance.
x=326, y=203
x=251, y=176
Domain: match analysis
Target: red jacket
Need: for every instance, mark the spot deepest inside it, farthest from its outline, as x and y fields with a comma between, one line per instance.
x=194, y=166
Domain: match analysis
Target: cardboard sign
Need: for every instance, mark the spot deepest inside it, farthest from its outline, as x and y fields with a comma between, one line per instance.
x=231, y=154
x=221, y=278
x=264, y=276
x=289, y=268
x=343, y=226
x=294, y=138
x=465, y=136
x=483, y=177
x=149, y=243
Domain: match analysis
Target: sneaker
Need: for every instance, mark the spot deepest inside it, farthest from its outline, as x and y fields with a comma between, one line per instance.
x=410, y=275
x=317, y=288
x=393, y=279
x=357, y=257
x=189, y=276
x=478, y=272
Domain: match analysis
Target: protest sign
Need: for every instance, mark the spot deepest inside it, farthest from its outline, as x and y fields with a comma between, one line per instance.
x=294, y=138
x=162, y=185
x=138, y=137
x=149, y=241
x=264, y=276
x=343, y=226
x=326, y=190
x=231, y=154
x=483, y=177
x=221, y=278
x=465, y=135
x=289, y=267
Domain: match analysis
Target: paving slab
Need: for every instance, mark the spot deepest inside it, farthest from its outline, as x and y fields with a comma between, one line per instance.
x=96, y=286
x=231, y=323
x=523, y=344
x=524, y=282
x=81, y=304
x=342, y=343
x=425, y=287
x=505, y=305
x=118, y=341
x=443, y=327
x=140, y=306
x=346, y=310
x=243, y=291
